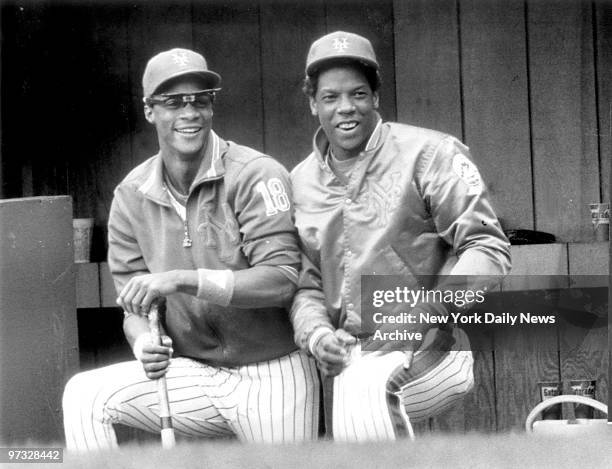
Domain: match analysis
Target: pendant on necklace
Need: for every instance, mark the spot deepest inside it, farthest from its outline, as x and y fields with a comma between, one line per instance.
x=187, y=239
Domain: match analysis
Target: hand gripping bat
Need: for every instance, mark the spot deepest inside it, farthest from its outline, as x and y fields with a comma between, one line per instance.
x=167, y=431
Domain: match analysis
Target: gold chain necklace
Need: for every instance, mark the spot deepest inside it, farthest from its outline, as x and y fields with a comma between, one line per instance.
x=181, y=211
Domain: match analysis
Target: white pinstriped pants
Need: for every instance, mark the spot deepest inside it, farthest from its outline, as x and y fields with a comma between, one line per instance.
x=271, y=401
x=375, y=398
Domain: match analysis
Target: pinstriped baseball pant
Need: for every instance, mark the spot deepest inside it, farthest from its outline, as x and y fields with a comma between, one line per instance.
x=271, y=401
x=375, y=397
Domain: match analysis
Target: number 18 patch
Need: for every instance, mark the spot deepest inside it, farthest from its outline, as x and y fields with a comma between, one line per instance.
x=274, y=196
x=468, y=172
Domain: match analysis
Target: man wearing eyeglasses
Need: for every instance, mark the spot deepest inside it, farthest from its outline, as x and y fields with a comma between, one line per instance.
x=206, y=225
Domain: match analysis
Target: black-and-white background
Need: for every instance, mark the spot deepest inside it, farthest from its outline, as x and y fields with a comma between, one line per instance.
x=526, y=84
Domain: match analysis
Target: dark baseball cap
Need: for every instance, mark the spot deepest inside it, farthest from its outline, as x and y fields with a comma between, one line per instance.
x=175, y=63
x=340, y=45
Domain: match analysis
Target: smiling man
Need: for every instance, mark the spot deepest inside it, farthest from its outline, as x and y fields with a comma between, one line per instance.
x=381, y=198
x=205, y=225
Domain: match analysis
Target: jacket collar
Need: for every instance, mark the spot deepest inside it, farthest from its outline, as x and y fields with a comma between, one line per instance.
x=211, y=168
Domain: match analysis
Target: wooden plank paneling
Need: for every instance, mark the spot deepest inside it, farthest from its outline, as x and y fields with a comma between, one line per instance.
x=101, y=338
x=603, y=33
x=584, y=354
x=565, y=160
x=480, y=406
x=588, y=258
x=287, y=30
x=603, y=15
x=451, y=420
x=584, y=348
x=477, y=411
x=55, y=51
x=228, y=37
x=373, y=20
x=69, y=25
x=496, y=104
x=11, y=22
x=102, y=50
x=35, y=42
x=153, y=28
x=96, y=177
x=422, y=428
x=87, y=285
x=38, y=326
x=18, y=28
x=427, y=75
x=87, y=347
x=111, y=344
x=537, y=266
x=108, y=295
x=525, y=355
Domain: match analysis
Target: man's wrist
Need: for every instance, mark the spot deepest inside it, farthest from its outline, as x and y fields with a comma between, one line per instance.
x=142, y=340
x=316, y=336
x=216, y=286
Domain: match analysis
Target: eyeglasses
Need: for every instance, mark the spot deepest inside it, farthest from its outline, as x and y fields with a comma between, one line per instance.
x=199, y=99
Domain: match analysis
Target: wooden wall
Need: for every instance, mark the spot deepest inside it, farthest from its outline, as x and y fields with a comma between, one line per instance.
x=527, y=84
x=38, y=323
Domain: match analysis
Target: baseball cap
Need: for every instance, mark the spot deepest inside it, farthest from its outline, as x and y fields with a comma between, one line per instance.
x=174, y=63
x=340, y=45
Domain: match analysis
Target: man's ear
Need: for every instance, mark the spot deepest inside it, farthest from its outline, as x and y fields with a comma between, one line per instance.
x=375, y=99
x=313, y=106
x=148, y=112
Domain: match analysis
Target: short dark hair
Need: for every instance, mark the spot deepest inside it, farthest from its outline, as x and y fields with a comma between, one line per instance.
x=311, y=82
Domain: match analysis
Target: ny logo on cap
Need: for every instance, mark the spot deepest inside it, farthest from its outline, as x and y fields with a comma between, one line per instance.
x=340, y=44
x=180, y=58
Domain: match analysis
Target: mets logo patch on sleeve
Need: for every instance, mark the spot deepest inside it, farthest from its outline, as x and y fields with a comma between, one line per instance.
x=468, y=172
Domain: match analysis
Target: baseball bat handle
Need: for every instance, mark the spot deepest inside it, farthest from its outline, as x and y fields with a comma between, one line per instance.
x=167, y=430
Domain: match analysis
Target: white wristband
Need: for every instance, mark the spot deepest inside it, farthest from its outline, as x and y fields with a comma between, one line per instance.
x=316, y=335
x=142, y=340
x=216, y=286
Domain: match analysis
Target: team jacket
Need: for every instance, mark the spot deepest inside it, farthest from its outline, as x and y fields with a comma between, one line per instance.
x=414, y=205
x=238, y=215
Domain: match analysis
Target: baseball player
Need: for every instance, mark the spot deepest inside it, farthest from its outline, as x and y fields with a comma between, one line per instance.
x=382, y=198
x=207, y=225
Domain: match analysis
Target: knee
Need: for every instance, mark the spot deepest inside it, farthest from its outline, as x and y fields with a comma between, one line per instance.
x=76, y=387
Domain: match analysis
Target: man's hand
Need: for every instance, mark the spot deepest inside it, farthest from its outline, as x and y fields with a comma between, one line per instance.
x=138, y=294
x=332, y=351
x=154, y=358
